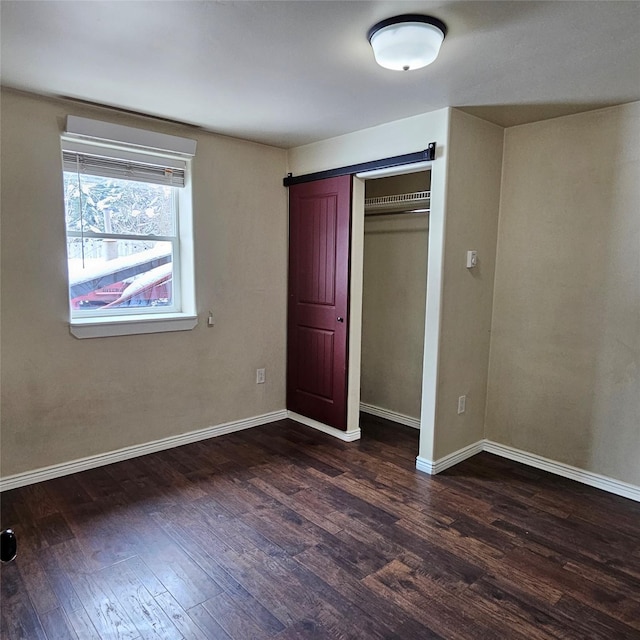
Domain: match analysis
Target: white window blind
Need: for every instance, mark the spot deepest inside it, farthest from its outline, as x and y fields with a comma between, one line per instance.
x=165, y=173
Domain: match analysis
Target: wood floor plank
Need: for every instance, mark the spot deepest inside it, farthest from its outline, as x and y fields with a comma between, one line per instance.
x=432, y=614
x=201, y=544
x=233, y=619
x=59, y=581
x=42, y=499
x=179, y=617
x=82, y=625
x=305, y=502
x=218, y=531
x=63, y=494
x=507, y=599
x=181, y=576
x=148, y=617
x=485, y=558
x=595, y=623
x=236, y=494
x=284, y=532
x=419, y=588
x=242, y=599
x=19, y=619
x=136, y=484
x=104, y=540
x=273, y=576
x=210, y=627
x=291, y=451
x=379, y=609
x=349, y=554
x=600, y=542
x=284, y=527
x=56, y=625
x=54, y=529
x=100, y=483
x=594, y=595
x=37, y=585
x=105, y=612
x=329, y=611
x=287, y=478
x=520, y=609
x=147, y=578
x=614, y=579
x=398, y=501
x=169, y=479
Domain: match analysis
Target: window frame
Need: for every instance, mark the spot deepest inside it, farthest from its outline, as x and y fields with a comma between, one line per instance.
x=174, y=240
x=126, y=143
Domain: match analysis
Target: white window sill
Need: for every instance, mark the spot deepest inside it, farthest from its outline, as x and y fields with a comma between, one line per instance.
x=131, y=325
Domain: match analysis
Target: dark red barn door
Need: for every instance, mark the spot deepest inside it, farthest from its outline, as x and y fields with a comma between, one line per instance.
x=319, y=236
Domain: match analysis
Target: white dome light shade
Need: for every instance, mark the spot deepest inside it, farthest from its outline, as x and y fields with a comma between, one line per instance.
x=407, y=42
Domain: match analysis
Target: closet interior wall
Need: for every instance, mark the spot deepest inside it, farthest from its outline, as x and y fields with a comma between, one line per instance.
x=394, y=292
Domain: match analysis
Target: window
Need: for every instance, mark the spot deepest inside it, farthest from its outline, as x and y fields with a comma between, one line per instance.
x=128, y=225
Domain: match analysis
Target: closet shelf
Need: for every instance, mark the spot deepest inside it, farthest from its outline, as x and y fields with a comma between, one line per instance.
x=416, y=202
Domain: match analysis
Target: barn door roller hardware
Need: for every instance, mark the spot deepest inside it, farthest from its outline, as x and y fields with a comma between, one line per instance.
x=427, y=155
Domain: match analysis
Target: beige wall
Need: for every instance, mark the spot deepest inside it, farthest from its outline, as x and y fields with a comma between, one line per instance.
x=64, y=398
x=393, y=185
x=564, y=379
x=394, y=292
x=390, y=139
x=473, y=200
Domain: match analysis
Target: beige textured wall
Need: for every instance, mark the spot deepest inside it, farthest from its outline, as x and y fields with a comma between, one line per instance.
x=64, y=398
x=394, y=292
x=393, y=185
x=390, y=139
x=472, y=207
x=564, y=378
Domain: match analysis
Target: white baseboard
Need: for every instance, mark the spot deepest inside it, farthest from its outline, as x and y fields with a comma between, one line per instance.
x=583, y=476
x=346, y=436
x=432, y=467
x=390, y=415
x=605, y=483
x=91, y=462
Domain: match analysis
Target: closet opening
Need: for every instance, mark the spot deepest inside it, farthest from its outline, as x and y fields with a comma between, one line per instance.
x=396, y=238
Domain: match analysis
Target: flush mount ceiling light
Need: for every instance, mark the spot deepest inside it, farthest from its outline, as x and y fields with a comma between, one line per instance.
x=407, y=42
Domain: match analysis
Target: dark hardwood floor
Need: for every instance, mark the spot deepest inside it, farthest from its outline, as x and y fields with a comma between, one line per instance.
x=282, y=532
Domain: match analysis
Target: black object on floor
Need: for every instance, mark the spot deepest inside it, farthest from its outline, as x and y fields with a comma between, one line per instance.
x=8, y=545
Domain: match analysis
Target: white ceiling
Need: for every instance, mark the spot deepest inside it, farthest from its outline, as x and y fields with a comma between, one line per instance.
x=287, y=73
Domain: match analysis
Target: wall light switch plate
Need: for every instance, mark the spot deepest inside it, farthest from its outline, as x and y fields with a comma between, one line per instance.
x=260, y=376
x=472, y=259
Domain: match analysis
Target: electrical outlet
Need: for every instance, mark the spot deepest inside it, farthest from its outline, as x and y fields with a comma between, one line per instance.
x=260, y=376
x=462, y=404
